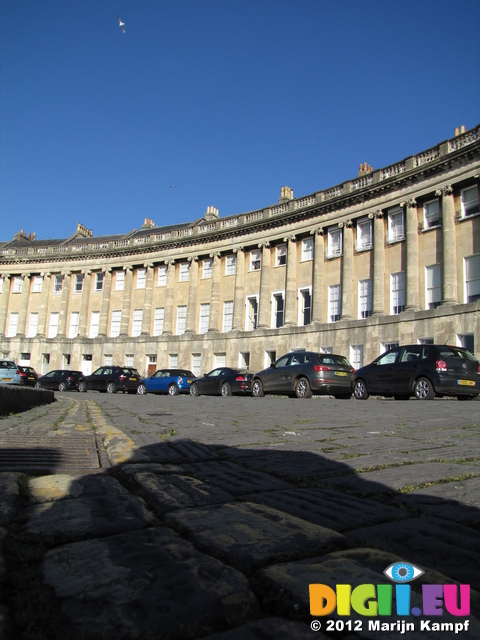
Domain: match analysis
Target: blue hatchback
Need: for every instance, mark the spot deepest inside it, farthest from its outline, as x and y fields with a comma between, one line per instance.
x=171, y=381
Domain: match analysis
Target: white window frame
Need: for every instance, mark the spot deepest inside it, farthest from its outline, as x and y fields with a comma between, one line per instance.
x=181, y=320
x=364, y=239
x=173, y=360
x=397, y=293
x=32, y=325
x=184, y=275
x=94, y=324
x=141, y=278
x=207, y=268
x=433, y=286
x=307, y=250
x=334, y=242
x=230, y=264
x=99, y=278
x=356, y=355
x=302, y=308
x=471, y=270
x=364, y=298
x=119, y=280
x=37, y=284
x=396, y=225
x=158, y=321
x=334, y=302
x=278, y=310
x=227, y=316
x=204, y=318
x=432, y=214
x=281, y=255
x=78, y=283
x=255, y=260
x=115, y=323
x=469, y=205
x=220, y=360
x=17, y=284
x=12, y=324
x=162, y=275
x=251, y=312
x=53, y=324
x=74, y=322
x=137, y=319
x=108, y=360
x=197, y=364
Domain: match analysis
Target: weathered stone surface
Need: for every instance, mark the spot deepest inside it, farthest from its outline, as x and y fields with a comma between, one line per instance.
x=9, y=492
x=166, y=493
x=249, y=535
x=3, y=534
x=428, y=542
x=268, y=629
x=396, y=478
x=193, y=451
x=62, y=485
x=98, y=516
x=147, y=582
x=331, y=509
x=233, y=478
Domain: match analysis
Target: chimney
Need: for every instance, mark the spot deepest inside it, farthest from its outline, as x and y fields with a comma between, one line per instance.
x=148, y=224
x=83, y=231
x=365, y=168
x=286, y=194
x=212, y=214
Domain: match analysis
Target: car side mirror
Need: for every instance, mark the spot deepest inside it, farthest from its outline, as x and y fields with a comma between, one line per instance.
x=272, y=365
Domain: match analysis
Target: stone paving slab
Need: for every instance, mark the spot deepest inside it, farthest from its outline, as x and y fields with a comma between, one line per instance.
x=331, y=509
x=146, y=582
x=247, y=535
x=430, y=543
x=9, y=494
x=233, y=478
x=394, y=479
x=98, y=516
x=167, y=493
x=61, y=485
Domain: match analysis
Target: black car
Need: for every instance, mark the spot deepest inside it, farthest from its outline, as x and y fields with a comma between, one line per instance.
x=111, y=379
x=304, y=373
x=28, y=376
x=61, y=379
x=222, y=381
x=423, y=371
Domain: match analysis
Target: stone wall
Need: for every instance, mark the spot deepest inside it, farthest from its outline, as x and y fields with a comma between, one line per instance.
x=16, y=399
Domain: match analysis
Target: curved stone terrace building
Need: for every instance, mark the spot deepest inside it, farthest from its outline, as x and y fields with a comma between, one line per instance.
x=389, y=257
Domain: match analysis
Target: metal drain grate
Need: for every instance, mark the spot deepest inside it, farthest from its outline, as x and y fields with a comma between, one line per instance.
x=51, y=454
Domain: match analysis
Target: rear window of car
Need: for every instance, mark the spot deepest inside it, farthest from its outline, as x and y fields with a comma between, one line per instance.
x=330, y=358
x=452, y=352
x=7, y=364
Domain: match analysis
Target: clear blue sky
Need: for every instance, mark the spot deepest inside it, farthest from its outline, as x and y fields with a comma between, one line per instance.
x=227, y=100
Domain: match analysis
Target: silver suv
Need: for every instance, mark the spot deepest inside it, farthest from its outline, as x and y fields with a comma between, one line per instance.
x=304, y=373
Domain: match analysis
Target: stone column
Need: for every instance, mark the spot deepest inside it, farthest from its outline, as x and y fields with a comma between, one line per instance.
x=449, y=269
x=127, y=301
x=22, y=316
x=85, y=304
x=147, y=305
x=42, y=313
x=168, y=313
x=215, y=293
x=318, y=264
x=239, y=297
x=62, y=319
x=264, y=298
x=347, y=271
x=7, y=282
x=378, y=306
x=291, y=281
x=107, y=288
x=192, y=295
x=412, y=293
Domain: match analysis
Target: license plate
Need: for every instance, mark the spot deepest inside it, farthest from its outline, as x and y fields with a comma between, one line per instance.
x=189, y=381
x=31, y=378
x=134, y=379
x=466, y=383
x=340, y=373
x=7, y=379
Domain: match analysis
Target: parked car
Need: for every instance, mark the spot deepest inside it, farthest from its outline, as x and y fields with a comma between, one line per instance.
x=171, y=381
x=222, y=381
x=61, y=379
x=304, y=373
x=423, y=371
x=111, y=379
x=28, y=376
x=9, y=372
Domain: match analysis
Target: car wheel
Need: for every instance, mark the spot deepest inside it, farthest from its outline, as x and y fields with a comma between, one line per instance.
x=194, y=389
x=142, y=390
x=360, y=390
x=257, y=389
x=111, y=388
x=424, y=389
x=62, y=386
x=302, y=388
x=226, y=389
x=82, y=387
x=173, y=390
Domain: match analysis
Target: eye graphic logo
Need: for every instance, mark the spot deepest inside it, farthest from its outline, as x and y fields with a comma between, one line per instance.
x=402, y=572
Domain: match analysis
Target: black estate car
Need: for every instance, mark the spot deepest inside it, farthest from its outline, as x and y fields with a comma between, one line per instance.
x=420, y=370
x=61, y=379
x=111, y=379
x=223, y=381
x=304, y=373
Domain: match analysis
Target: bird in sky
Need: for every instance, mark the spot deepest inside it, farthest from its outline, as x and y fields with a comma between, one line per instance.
x=173, y=186
x=121, y=24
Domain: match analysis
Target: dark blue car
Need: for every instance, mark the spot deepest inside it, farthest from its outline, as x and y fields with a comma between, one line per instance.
x=171, y=381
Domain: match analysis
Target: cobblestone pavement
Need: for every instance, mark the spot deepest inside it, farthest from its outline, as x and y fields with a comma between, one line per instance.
x=210, y=517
